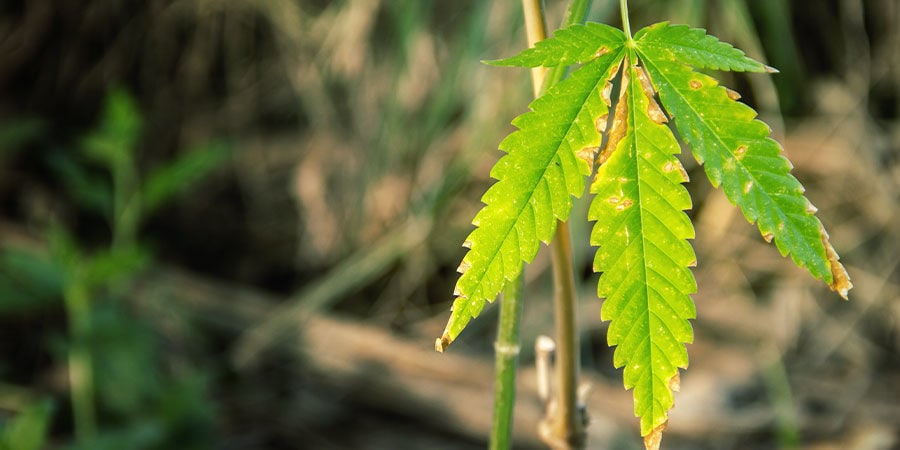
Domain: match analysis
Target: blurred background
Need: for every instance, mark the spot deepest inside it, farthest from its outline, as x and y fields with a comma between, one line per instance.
x=235, y=224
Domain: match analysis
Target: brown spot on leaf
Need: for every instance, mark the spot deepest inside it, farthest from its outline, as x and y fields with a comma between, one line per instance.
x=601, y=123
x=840, y=279
x=653, y=110
x=587, y=155
x=810, y=208
x=654, y=439
x=442, y=343
x=747, y=187
x=768, y=237
x=625, y=203
x=673, y=166
x=732, y=94
x=619, y=126
x=675, y=382
x=695, y=84
x=606, y=93
x=646, y=84
x=463, y=266
x=601, y=51
x=740, y=152
x=684, y=174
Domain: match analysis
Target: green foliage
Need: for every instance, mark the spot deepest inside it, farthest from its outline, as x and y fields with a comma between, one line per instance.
x=168, y=181
x=27, y=281
x=738, y=155
x=28, y=429
x=639, y=200
x=115, y=140
x=109, y=350
x=544, y=167
x=641, y=231
x=573, y=45
x=693, y=47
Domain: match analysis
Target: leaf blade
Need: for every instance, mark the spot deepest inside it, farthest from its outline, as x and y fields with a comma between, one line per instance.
x=738, y=155
x=641, y=232
x=576, y=44
x=545, y=166
x=692, y=46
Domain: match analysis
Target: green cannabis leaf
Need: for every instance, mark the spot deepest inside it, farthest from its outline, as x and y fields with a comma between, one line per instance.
x=737, y=153
x=546, y=164
x=641, y=229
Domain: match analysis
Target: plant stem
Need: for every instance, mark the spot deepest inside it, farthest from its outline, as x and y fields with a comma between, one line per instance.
x=626, y=25
x=506, y=363
x=81, y=372
x=126, y=205
x=566, y=425
x=536, y=30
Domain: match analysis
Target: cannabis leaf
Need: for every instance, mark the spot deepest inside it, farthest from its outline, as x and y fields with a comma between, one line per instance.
x=738, y=154
x=546, y=164
x=573, y=45
x=641, y=229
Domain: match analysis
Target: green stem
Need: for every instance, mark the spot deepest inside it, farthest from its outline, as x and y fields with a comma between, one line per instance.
x=536, y=30
x=81, y=372
x=626, y=25
x=506, y=362
x=126, y=203
x=567, y=423
x=778, y=386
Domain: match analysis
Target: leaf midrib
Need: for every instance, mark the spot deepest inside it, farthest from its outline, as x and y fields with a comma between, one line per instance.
x=635, y=90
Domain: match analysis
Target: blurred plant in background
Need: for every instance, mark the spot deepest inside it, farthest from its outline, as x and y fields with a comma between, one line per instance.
x=121, y=393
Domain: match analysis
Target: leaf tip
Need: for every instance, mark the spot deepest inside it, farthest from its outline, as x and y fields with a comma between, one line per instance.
x=441, y=343
x=840, y=279
x=770, y=69
x=495, y=62
x=732, y=94
x=653, y=440
x=675, y=382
